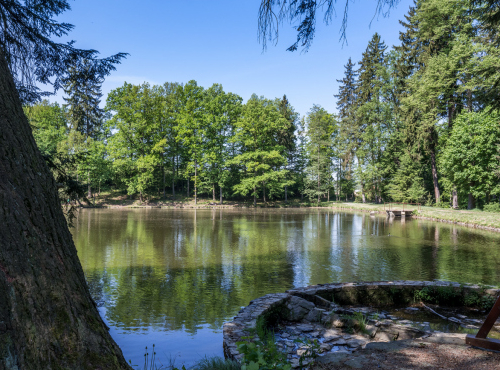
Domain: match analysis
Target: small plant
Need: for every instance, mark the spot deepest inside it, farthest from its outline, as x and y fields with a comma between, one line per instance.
x=360, y=321
x=150, y=361
x=259, y=355
x=429, y=201
x=261, y=352
x=311, y=350
x=356, y=321
x=216, y=363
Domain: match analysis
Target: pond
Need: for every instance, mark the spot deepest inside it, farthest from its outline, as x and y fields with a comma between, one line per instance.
x=172, y=277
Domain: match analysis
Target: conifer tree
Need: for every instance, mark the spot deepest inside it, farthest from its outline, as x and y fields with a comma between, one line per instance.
x=288, y=140
x=83, y=90
x=346, y=141
x=320, y=131
x=371, y=118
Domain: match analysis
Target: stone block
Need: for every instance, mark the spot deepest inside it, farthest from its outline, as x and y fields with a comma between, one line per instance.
x=298, y=308
x=315, y=315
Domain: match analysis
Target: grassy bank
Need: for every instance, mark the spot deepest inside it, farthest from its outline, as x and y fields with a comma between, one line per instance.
x=118, y=199
x=479, y=219
x=475, y=218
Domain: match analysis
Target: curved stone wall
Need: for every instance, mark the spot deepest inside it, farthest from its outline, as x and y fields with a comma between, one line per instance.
x=314, y=303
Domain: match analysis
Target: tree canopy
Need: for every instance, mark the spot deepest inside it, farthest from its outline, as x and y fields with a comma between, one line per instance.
x=27, y=33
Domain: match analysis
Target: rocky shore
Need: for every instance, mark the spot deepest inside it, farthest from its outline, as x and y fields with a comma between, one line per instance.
x=333, y=321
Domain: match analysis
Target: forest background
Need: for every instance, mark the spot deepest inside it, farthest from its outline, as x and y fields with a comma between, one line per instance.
x=416, y=123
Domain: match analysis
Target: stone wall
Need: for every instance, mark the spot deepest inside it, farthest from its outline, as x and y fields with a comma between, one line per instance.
x=313, y=302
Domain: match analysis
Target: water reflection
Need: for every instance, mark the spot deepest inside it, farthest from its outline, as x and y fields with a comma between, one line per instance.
x=172, y=277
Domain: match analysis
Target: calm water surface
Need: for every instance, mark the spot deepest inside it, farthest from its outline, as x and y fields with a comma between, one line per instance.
x=173, y=277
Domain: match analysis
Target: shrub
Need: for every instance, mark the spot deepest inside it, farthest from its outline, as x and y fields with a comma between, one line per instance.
x=492, y=207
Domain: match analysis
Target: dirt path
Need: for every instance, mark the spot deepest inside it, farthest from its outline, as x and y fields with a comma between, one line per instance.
x=440, y=353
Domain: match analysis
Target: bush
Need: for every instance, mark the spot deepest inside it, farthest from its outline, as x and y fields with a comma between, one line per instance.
x=492, y=207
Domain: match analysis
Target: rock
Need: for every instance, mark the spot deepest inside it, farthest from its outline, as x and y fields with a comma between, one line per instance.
x=412, y=309
x=304, y=350
x=325, y=347
x=285, y=335
x=446, y=338
x=315, y=315
x=333, y=358
x=358, y=362
x=371, y=330
x=340, y=342
x=384, y=337
x=336, y=322
x=298, y=308
x=296, y=362
x=305, y=328
x=314, y=334
x=398, y=332
x=331, y=334
x=461, y=316
x=355, y=343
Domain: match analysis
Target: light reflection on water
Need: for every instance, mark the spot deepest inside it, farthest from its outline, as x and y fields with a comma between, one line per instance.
x=173, y=277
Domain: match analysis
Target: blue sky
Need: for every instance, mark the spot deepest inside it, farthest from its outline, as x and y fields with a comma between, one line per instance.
x=216, y=42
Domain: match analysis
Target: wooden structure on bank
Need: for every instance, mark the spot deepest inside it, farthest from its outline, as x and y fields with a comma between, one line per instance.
x=400, y=211
x=480, y=339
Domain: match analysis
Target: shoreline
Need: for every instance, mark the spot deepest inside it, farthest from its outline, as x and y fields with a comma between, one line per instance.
x=488, y=221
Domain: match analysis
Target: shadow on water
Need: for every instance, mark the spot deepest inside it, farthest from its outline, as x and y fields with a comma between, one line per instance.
x=172, y=277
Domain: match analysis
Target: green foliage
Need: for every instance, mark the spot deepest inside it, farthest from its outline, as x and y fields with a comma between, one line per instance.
x=311, y=353
x=492, y=207
x=262, y=154
x=469, y=157
x=262, y=355
x=483, y=301
x=261, y=352
x=29, y=41
x=451, y=296
x=321, y=130
x=216, y=363
x=355, y=322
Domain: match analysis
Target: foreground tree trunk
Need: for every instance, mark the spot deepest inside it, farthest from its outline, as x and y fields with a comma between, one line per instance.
x=437, y=193
x=454, y=202
x=48, y=319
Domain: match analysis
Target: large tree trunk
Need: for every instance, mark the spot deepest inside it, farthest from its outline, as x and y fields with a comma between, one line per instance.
x=471, y=202
x=454, y=198
x=437, y=194
x=48, y=319
x=164, y=184
x=89, y=186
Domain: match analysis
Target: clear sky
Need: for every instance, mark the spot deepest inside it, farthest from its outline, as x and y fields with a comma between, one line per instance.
x=215, y=41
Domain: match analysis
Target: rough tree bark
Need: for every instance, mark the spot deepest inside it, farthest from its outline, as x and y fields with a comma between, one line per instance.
x=48, y=319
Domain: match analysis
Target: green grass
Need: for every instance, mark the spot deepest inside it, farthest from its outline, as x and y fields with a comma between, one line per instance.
x=470, y=218
x=216, y=363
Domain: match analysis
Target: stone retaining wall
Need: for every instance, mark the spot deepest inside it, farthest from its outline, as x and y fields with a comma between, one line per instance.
x=310, y=303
